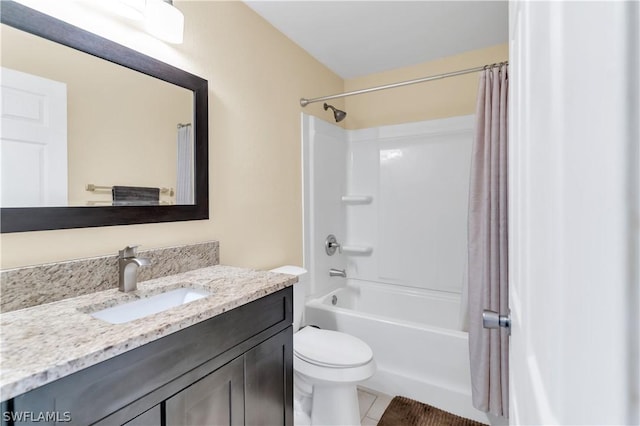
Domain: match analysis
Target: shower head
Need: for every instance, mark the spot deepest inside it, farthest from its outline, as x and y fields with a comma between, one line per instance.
x=337, y=114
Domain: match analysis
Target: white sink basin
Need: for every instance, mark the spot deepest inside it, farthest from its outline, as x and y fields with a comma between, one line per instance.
x=130, y=311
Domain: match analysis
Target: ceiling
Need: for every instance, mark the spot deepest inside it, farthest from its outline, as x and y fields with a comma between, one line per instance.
x=356, y=38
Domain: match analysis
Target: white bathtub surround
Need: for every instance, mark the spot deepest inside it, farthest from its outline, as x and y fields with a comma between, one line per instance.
x=396, y=195
x=323, y=160
x=418, y=176
x=488, y=273
x=405, y=197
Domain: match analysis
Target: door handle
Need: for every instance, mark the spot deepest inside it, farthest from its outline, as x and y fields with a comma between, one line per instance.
x=491, y=319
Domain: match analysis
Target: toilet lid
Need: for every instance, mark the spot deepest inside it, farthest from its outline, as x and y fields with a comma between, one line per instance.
x=330, y=348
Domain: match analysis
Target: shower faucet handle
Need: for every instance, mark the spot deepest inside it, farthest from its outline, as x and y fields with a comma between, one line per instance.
x=331, y=244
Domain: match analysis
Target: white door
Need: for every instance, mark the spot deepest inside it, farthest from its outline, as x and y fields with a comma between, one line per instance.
x=33, y=138
x=574, y=212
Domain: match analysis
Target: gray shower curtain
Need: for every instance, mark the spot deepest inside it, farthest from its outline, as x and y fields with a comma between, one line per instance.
x=185, y=167
x=487, y=233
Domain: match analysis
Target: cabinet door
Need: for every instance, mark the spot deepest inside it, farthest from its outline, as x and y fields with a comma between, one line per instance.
x=152, y=417
x=268, y=378
x=216, y=400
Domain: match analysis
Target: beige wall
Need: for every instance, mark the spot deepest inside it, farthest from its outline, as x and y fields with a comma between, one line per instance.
x=425, y=101
x=256, y=76
x=121, y=124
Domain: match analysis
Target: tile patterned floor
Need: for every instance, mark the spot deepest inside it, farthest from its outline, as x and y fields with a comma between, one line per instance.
x=372, y=405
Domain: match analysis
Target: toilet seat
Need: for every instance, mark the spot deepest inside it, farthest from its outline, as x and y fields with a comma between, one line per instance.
x=331, y=356
x=331, y=349
x=315, y=374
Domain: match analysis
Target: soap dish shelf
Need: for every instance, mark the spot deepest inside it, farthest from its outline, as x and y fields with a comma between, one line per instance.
x=357, y=199
x=357, y=250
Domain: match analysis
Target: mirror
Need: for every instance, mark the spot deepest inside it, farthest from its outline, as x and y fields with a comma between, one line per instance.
x=121, y=128
x=148, y=140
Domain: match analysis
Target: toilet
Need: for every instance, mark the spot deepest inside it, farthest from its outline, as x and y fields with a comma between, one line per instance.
x=327, y=367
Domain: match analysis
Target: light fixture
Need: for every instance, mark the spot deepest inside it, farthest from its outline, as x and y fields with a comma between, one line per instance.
x=165, y=21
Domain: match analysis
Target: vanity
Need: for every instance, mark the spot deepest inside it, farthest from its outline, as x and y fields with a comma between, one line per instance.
x=223, y=359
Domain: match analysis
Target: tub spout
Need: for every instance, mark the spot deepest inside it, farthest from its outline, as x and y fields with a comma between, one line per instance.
x=337, y=273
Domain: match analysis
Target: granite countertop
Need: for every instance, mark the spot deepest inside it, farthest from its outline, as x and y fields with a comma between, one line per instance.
x=43, y=343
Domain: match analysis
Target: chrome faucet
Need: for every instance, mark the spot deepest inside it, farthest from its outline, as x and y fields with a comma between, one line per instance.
x=337, y=273
x=128, y=263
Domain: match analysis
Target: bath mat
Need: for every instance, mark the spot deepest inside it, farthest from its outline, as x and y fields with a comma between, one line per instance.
x=407, y=412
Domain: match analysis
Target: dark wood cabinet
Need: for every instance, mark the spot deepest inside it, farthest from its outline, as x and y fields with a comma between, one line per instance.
x=150, y=417
x=233, y=369
x=254, y=389
x=217, y=399
x=268, y=382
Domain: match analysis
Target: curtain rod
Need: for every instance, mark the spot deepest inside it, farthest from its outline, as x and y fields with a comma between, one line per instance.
x=304, y=102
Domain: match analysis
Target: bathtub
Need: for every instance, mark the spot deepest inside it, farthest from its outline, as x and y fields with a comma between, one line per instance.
x=414, y=334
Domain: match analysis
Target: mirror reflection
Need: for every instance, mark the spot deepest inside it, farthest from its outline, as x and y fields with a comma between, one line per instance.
x=81, y=131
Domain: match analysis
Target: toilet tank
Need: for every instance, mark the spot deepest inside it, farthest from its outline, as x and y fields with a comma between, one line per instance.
x=299, y=291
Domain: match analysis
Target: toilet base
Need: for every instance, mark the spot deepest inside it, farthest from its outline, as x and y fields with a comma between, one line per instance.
x=335, y=405
x=302, y=394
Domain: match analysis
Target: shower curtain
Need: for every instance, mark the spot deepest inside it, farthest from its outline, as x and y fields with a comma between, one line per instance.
x=185, y=183
x=487, y=233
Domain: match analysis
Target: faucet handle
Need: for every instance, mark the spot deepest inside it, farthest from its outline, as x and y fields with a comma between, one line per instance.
x=331, y=244
x=129, y=251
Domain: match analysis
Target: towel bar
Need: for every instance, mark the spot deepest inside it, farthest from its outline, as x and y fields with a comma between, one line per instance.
x=92, y=187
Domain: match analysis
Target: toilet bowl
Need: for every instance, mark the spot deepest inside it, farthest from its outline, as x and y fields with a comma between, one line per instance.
x=327, y=367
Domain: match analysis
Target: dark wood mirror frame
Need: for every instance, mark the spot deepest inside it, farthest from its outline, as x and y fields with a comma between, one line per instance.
x=21, y=219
